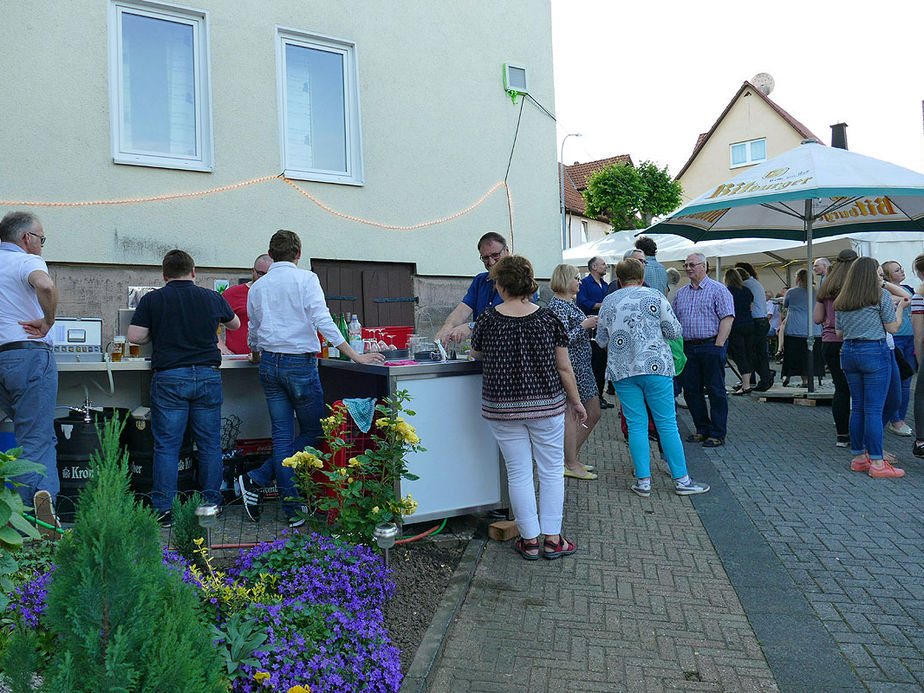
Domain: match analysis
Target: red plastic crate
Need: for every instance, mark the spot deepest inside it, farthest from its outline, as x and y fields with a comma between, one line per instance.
x=255, y=446
x=356, y=441
x=395, y=334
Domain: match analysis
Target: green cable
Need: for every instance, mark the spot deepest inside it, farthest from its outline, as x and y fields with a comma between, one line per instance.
x=38, y=522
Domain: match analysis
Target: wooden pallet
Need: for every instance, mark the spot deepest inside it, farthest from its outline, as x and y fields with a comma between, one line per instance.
x=799, y=396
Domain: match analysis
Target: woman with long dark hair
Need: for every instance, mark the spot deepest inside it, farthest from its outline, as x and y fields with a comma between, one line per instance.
x=742, y=331
x=864, y=314
x=831, y=345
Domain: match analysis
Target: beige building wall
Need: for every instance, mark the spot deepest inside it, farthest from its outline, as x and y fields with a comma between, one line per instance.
x=437, y=132
x=748, y=119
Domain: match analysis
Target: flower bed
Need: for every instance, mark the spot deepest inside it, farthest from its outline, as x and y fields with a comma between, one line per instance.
x=320, y=608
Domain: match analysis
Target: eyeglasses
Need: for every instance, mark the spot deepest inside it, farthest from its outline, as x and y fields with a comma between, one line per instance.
x=493, y=256
x=41, y=238
x=692, y=264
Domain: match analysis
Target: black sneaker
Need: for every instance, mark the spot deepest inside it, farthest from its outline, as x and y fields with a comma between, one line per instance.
x=250, y=494
x=165, y=519
x=918, y=448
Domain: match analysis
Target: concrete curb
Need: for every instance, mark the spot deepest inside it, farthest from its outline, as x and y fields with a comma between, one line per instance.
x=416, y=678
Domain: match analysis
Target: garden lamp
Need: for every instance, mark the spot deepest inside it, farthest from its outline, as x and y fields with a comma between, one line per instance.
x=385, y=533
x=207, y=515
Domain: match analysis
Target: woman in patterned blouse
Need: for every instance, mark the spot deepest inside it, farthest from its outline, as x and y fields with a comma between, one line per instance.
x=565, y=283
x=635, y=324
x=527, y=384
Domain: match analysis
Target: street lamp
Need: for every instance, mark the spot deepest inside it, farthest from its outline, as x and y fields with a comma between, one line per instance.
x=561, y=158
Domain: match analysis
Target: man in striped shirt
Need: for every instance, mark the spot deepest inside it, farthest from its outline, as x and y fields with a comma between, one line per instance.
x=706, y=311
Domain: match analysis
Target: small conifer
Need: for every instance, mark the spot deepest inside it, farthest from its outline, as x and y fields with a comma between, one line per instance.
x=123, y=620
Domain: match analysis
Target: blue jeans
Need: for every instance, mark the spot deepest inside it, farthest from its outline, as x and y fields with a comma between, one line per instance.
x=181, y=396
x=293, y=391
x=867, y=365
x=705, y=369
x=905, y=344
x=658, y=392
x=28, y=391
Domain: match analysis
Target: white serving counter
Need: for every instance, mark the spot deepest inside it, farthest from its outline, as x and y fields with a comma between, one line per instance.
x=461, y=471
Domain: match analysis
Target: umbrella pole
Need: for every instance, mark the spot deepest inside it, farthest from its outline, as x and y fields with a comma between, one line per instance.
x=810, y=333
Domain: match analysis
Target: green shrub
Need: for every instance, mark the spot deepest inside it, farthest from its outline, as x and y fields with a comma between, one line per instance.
x=186, y=528
x=122, y=620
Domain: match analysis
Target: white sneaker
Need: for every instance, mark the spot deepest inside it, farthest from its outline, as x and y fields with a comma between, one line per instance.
x=903, y=430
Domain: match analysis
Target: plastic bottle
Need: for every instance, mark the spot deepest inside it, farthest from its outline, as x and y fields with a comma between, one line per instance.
x=325, y=353
x=345, y=331
x=356, y=334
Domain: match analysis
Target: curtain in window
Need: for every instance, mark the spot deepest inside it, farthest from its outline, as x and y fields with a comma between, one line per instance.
x=315, y=110
x=158, y=86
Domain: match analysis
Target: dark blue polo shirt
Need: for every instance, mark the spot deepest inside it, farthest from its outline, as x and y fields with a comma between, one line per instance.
x=183, y=319
x=481, y=294
x=589, y=294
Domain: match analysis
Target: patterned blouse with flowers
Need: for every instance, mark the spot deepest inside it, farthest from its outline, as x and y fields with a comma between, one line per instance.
x=635, y=324
x=520, y=379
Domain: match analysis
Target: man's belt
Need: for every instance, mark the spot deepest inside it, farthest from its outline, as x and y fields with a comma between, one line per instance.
x=34, y=344
x=694, y=342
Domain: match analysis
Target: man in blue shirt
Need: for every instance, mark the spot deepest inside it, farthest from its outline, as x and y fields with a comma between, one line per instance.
x=655, y=273
x=589, y=297
x=481, y=293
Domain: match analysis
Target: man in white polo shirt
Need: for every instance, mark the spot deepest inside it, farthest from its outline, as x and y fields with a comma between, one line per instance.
x=286, y=309
x=28, y=374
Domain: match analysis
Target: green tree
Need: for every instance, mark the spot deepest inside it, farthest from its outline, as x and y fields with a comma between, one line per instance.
x=631, y=196
x=123, y=621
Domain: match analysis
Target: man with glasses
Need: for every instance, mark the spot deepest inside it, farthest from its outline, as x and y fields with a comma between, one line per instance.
x=235, y=341
x=706, y=311
x=590, y=296
x=481, y=293
x=28, y=374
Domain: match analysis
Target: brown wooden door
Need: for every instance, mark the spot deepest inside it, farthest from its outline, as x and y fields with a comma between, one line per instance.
x=381, y=293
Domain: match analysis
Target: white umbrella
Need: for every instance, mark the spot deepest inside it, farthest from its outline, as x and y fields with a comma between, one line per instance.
x=810, y=191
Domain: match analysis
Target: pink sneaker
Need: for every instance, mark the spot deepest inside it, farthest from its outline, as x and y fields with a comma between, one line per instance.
x=860, y=464
x=886, y=472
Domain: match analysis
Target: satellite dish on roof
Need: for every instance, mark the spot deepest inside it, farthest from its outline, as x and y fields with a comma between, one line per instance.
x=764, y=83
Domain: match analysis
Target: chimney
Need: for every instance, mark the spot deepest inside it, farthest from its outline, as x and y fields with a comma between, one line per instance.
x=839, y=135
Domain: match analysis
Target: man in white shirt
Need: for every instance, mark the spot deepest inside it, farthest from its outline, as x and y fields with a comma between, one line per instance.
x=28, y=374
x=286, y=310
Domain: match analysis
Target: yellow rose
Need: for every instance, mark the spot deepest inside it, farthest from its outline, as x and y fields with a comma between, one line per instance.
x=375, y=510
x=349, y=480
x=261, y=676
x=299, y=689
x=342, y=471
x=354, y=462
x=290, y=462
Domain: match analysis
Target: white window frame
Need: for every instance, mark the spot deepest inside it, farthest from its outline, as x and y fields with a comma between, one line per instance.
x=353, y=122
x=198, y=19
x=749, y=161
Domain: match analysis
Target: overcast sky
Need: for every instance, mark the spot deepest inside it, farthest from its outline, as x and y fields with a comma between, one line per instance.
x=645, y=78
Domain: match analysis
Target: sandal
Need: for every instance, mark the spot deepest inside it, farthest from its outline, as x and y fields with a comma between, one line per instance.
x=695, y=438
x=524, y=546
x=713, y=442
x=557, y=549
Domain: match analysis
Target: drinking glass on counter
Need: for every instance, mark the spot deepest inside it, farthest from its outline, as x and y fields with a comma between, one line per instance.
x=118, y=348
x=134, y=350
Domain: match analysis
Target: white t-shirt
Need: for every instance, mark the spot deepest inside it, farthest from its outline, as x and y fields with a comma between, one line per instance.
x=18, y=300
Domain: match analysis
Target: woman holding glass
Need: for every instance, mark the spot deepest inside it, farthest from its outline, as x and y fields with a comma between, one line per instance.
x=565, y=283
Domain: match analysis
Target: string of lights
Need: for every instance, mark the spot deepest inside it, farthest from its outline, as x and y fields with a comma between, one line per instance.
x=263, y=179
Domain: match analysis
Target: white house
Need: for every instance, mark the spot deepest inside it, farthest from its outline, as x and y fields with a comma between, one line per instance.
x=132, y=127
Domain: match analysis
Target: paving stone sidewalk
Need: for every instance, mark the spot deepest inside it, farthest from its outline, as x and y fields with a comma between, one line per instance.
x=793, y=574
x=644, y=605
x=853, y=545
